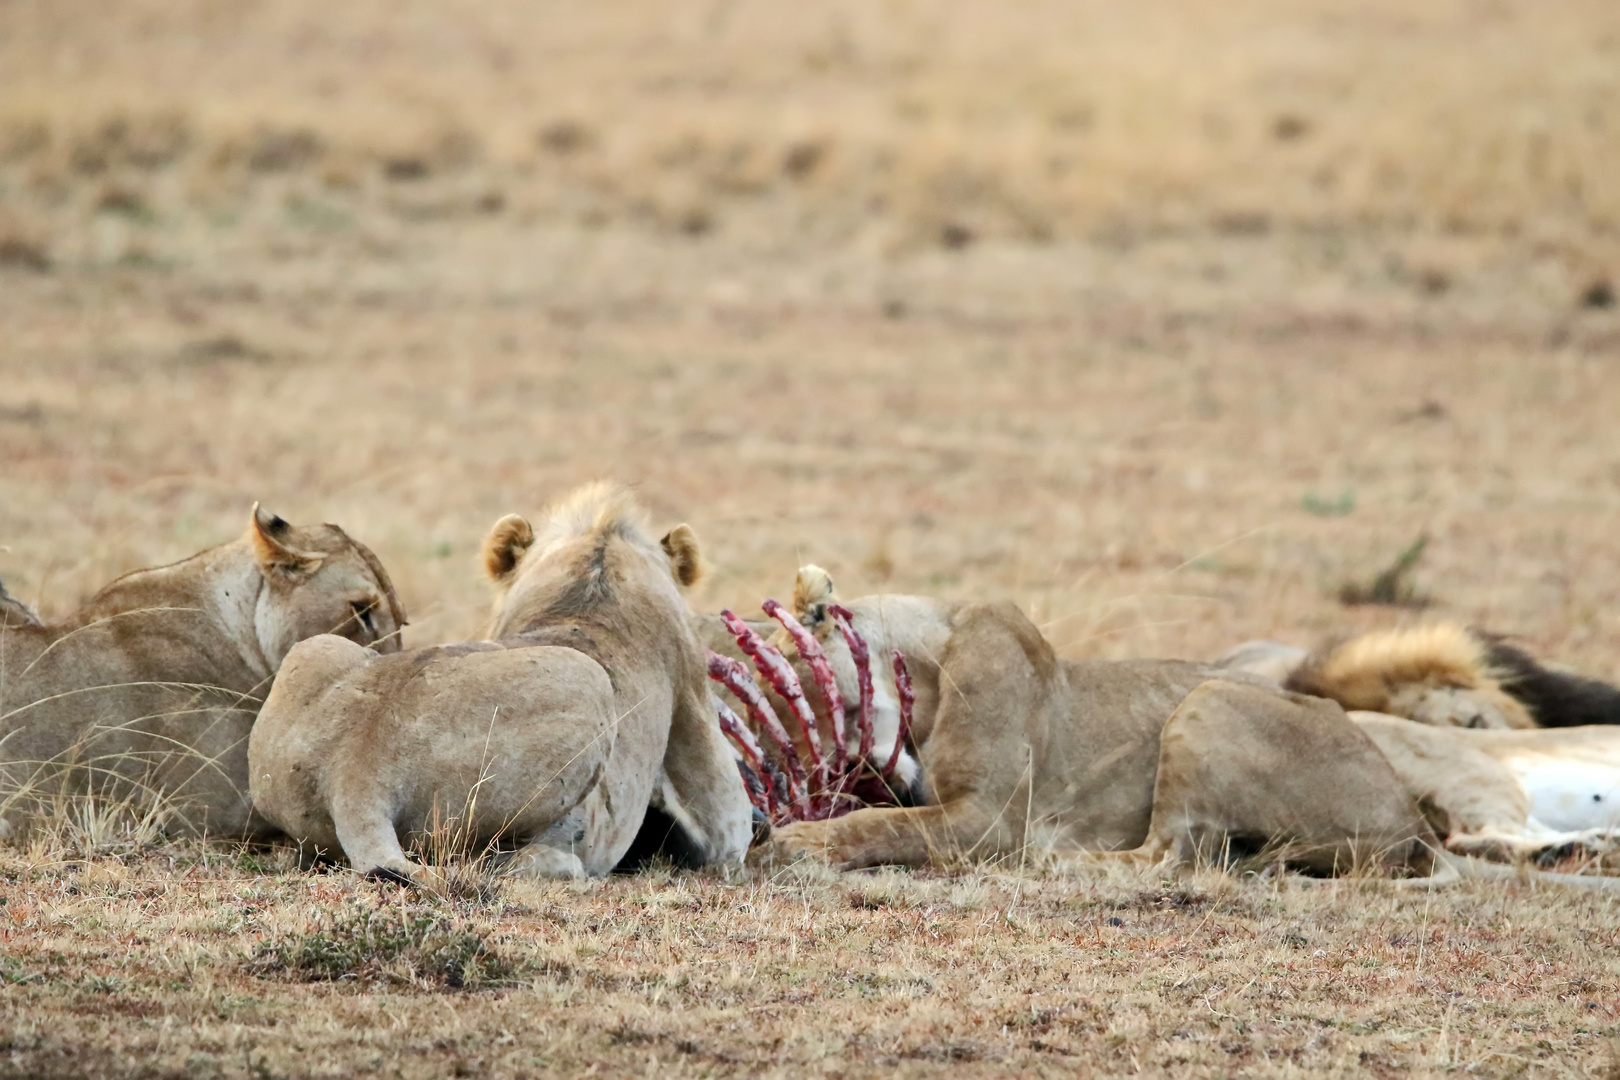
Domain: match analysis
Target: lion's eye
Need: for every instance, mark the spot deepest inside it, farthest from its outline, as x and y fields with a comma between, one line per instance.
x=362, y=615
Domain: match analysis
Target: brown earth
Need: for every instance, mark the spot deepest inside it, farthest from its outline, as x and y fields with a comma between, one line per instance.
x=1166, y=320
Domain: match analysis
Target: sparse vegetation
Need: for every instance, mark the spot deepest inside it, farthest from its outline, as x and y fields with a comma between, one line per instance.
x=1068, y=303
x=1391, y=586
x=390, y=942
x=1034, y=971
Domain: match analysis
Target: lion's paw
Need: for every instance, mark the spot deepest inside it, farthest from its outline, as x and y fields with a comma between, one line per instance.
x=796, y=842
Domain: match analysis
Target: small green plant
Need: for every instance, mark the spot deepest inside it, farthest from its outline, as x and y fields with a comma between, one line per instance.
x=105, y=984
x=410, y=945
x=1392, y=587
x=1343, y=506
x=316, y=216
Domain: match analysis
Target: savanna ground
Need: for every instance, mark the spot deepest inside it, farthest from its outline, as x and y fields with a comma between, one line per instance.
x=1164, y=319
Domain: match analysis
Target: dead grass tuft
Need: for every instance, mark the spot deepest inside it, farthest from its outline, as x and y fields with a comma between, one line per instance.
x=1173, y=898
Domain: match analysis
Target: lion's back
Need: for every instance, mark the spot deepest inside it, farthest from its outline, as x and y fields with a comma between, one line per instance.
x=339, y=712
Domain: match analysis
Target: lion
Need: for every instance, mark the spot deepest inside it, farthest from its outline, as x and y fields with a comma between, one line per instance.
x=1162, y=760
x=148, y=691
x=1507, y=793
x=589, y=703
x=1508, y=758
x=1448, y=674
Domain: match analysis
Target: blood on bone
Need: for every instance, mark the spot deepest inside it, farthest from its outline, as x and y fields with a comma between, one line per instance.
x=733, y=675
x=737, y=731
x=774, y=666
x=908, y=698
x=844, y=619
x=830, y=794
x=821, y=670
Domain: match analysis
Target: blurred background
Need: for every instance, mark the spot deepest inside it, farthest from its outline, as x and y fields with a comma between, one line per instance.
x=1169, y=320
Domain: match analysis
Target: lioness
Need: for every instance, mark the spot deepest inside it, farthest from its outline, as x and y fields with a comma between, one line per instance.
x=591, y=702
x=150, y=688
x=1177, y=760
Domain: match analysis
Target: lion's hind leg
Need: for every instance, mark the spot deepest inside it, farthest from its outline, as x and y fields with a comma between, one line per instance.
x=1245, y=770
x=365, y=829
x=1154, y=854
x=554, y=852
x=538, y=860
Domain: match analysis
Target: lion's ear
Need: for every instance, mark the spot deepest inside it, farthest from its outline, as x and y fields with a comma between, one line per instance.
x=812, y=592
x=685, y=560
x=274, y=552
x=505, y=545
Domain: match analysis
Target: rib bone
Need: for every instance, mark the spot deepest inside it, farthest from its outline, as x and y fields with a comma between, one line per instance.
x=733, y=674
x=737, y=731
x=844, y=619
x=908, y=698
x=821, y=670
x=785, y=682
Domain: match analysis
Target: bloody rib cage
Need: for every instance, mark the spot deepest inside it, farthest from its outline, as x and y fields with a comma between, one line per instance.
x=831, y=783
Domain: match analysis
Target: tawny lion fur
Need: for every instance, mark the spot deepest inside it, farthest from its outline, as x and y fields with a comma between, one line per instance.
x=149, y=690
x=1156, y=759
x=1488, y=785
x=14, y=612
x=1440, y=673
x=590, y=704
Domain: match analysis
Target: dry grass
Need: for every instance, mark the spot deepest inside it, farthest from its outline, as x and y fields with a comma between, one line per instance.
x=1167, y=320
x=925, y=123
x=200, y=962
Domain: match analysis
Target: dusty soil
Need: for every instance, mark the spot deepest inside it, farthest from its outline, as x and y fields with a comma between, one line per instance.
x=1165, y=322
x=167, y=965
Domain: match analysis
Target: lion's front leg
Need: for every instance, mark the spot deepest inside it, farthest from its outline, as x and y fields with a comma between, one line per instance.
x=563, y=848
x=897, y=836
x=539, y=860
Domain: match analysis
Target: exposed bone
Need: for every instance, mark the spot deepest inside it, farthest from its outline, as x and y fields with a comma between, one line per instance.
x=836, y=786
x=821, y=670
x=733, y=675
x=737, y=731
x=908, y=698
x=844, y=619
x=774, y=666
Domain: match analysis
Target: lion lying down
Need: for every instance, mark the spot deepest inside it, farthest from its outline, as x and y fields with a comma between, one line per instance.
x=1507, y=757
x=1162, y=761
x=149, y=690
x=1156, y=759
x=591, y=703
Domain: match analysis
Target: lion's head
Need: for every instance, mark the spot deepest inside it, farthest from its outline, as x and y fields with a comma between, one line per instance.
x=589, y=546
x=319, y=580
